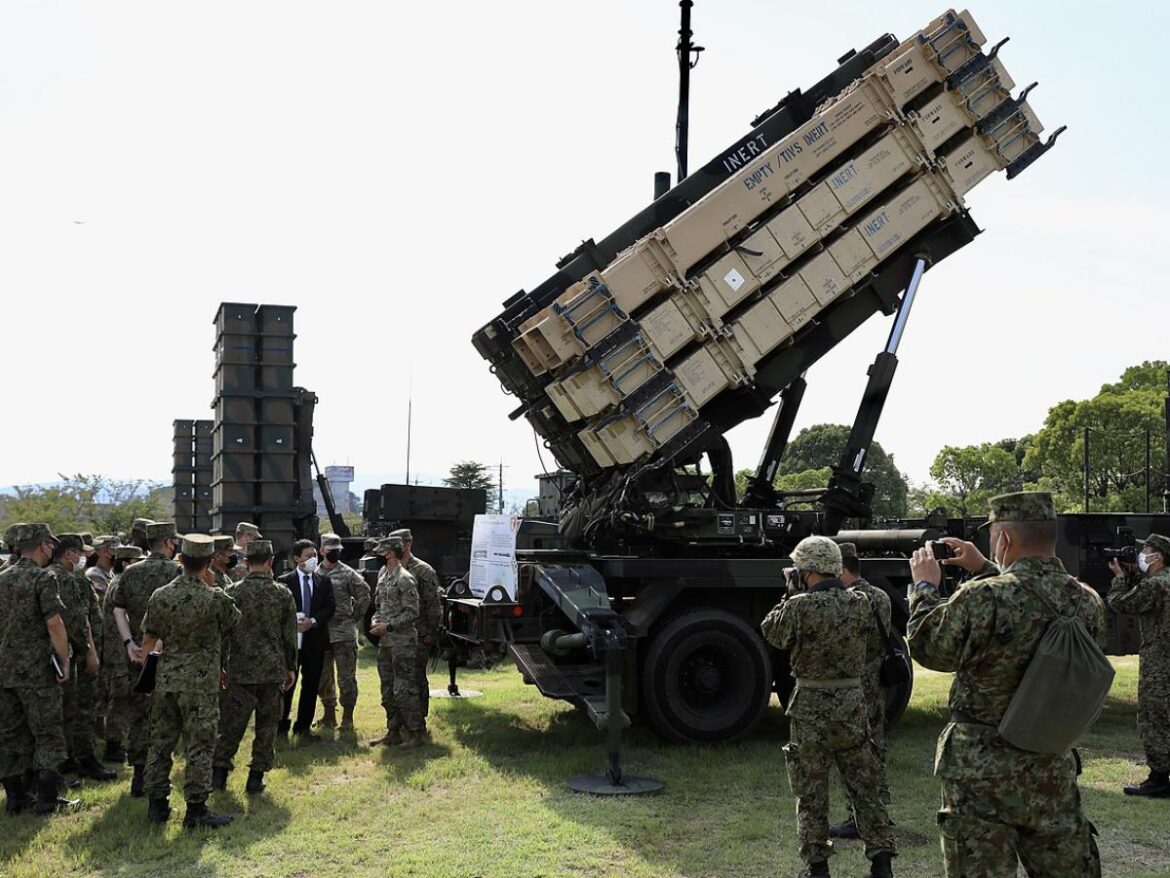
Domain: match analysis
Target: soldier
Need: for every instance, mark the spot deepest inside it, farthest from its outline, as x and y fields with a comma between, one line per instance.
x=351, y=596
x=262, y=664
x=871, y=683
x=32, y=741
x=135, y=587
x=193, y=620
x=395, y=622
x=80, y=693
x=101, y=571
x=1001, y=804
x=245, y=533
x=138, y=535
x=430, y=602
x=115, y=670
x=224, y=559
x=1145, y=592
x=825, y=627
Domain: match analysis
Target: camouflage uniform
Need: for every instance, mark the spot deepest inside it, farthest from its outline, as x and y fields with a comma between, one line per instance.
x=1148, y=597
x=352, y=597
x=871, y=683
x=31, y=733
x=79, y=706
x=115, y=670
x=825, y=630
x=194, y=623
x=100, y=580
x=263, y=651
x=430, y=618
x=396, y=607
x=1000, y=803
x=135, y=588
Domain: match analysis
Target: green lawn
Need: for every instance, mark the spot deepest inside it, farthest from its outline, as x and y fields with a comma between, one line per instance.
x=487, y=798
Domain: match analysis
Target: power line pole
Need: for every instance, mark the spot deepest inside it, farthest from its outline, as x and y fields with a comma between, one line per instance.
x=501, y=486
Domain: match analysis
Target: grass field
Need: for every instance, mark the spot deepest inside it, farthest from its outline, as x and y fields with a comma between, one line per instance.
x=487, y=798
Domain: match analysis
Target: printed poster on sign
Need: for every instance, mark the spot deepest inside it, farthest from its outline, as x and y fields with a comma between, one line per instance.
x=493, y=554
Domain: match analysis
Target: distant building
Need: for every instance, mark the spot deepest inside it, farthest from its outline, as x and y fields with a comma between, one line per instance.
x=339, y=479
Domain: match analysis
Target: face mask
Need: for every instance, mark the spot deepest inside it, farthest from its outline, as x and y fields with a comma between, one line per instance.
x=310, y=565
x=333, y=556
x=1144, y=563
x=232, y=560
x=79, y=564
x=1000, y=560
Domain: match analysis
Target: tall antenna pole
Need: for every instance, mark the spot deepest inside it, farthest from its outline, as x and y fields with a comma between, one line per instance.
x=501, y=486
x=409, y=406
x=686, y=49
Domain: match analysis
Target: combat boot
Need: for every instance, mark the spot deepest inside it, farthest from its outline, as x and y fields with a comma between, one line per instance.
x=848, y=829
x=219, y=776
x=69, y=766
x=197, y=815
x=255, y=784
x=15, y=794
x=99, y=728
x=347, y=717
x=114, y=752
x=880, y=867
x=94, y=770
x=392, y=737
x=410, y=740
x=158, y=810
x=1156, y=786
x=137, y=782
x=328, y=719
x=815, y=870
x=48, y=799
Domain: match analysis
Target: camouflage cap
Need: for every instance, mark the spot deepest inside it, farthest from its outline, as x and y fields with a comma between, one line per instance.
x=388, y=543
x=197, y=546
x=222, y=543
x=106, y=541
x=74, y=541
x=817, y=554
x=403, y=533
x=247, y=528
x=26, y=535
x=140, y=524
x=87, y=538
x=129, y=553
x=848, y=551
x=159, y=530
x=258, y=550
x=10, y=533
x=1159, y=544
x=370, y=544
x=330, y=540
x=1021, y=506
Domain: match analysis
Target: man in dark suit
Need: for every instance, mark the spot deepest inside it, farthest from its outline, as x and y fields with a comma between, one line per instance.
x=313, y=594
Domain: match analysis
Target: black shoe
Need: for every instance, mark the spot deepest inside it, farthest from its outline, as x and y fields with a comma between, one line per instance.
x=158, y=810
x=219, y=776
x=848, y=829
x=94, y=770
x=69, y=766
x=197, y=815
x=48, y=800
x=255, y=783
x=880, y=867
x=137, y=782
x=16, y=794
x=115, y=752
x=304, y=736
x=815, y=870
x=1156, y=786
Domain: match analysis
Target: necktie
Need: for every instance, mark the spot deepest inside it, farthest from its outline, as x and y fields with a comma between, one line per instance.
x=306, y=594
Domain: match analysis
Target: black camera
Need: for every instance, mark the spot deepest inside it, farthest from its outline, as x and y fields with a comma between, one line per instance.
x=941, y=550
x=1126, y=554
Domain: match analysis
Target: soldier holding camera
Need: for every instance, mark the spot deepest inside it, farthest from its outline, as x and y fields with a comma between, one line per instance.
x=1141, y=585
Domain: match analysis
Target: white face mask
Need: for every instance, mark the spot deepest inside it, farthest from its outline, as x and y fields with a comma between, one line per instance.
x=79, y=564
x=1000, y=560
x=310, y=564
x=1144, y=563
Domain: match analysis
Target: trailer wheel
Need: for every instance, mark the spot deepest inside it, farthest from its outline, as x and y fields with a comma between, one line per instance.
x=706, y=678
x=897, y=697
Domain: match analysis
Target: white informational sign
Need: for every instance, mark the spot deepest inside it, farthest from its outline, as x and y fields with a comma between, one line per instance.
x=493, y=554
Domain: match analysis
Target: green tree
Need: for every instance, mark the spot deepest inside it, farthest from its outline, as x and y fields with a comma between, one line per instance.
x=818, y=448
x=469, y=474
x=93, y=503
x=969, y=475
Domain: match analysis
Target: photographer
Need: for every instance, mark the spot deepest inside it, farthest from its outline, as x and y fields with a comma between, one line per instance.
x=1142, y=587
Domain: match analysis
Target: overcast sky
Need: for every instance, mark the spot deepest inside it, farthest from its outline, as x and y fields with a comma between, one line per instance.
x=397, y=169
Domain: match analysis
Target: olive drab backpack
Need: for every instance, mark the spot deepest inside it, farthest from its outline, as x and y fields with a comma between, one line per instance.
x=1063, y=688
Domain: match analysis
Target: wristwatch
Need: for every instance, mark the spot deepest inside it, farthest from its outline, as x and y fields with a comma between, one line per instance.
x=924, y=582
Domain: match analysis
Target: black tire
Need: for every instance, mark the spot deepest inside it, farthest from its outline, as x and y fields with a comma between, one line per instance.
x=898, y=697
x=706, y=678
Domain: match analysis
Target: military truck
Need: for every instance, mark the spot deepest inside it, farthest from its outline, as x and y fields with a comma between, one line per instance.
x=645, y=347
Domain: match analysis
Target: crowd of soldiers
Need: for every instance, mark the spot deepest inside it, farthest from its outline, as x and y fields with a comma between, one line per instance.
x=1002, y=806
x=189, y=637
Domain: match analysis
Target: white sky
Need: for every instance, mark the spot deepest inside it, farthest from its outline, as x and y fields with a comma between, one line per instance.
x=398, y=169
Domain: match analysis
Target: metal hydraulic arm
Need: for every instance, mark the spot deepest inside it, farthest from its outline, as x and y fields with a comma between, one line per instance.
x=847, y=495
x=336, y=521
x=761, y=491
